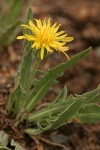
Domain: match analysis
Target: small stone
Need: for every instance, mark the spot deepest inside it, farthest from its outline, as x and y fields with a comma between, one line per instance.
x=59, y=138
x=97, y=51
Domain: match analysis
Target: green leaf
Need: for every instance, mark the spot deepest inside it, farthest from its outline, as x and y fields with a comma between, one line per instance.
x=59, y=114
x=14, y=11
x=67, y=114
x=92, y=96
x=8, y=35
x=79, y=107
x=46, y=81
x=33, y=131
x=29, y=16
x=3, y=138
x=89, y=114
x=3, y=141
x=4, y=148
x=60, y=104
x=17, y=95
x=51, y=109
x=16, y=145
x=9, y=26
x=20, y=86
x=62, y=95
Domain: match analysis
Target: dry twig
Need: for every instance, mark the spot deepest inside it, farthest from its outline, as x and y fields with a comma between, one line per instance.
x=52, y=143
x=39, y=146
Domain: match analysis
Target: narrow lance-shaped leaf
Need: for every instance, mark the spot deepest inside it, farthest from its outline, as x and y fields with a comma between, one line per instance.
x=65, y=115
x=53, y=108
x=68, y=113
x=14, y=11
x=22, y=77
x=44, y=83
x=9, y=25
x=89, y=114
x=13, y=32
x=62, y=95
x=60, y=103
x=92, y=96
x=29, y=16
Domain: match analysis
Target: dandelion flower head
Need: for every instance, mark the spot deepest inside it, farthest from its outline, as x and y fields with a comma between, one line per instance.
x=46, y=37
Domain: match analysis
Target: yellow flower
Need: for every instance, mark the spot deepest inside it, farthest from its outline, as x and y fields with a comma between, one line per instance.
x=45, y=37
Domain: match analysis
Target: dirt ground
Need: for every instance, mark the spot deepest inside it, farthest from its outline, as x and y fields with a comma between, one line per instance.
x=81, y=20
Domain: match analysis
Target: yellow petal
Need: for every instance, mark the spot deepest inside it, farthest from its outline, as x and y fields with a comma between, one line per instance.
x=59, y=33
x=33, y=27
x=61, y=37
x=30, y=37
x=65, y=55
x=48, y=49
x=39, y=23
x=21, y=37
x=44, y=23
x=52, y=28
x=68, y=39
x=46, y=37
x=36, y=44
x=62, y=44
x=57, y=44
x=42, y=53
x=48, y=25
x=25, y=26
x=56, y=29
x=63, y=49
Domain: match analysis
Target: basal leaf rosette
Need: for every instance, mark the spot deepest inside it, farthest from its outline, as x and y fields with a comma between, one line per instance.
x=46, y=37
